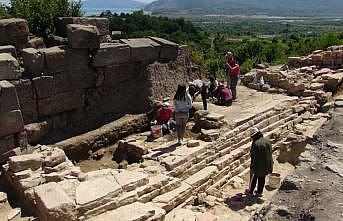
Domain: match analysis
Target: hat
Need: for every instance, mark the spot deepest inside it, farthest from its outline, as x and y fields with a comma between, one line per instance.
x=229, y=53
x=165, y=104
x=254, y=131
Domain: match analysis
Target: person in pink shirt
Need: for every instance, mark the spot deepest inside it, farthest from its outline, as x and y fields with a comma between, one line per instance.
x=224, y=97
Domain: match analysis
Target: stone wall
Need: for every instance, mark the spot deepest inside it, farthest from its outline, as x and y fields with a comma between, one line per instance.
x=332, y=57
x=87, y=83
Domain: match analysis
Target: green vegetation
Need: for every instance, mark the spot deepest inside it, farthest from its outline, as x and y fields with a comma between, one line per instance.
x=41, y=14
x=208, y=43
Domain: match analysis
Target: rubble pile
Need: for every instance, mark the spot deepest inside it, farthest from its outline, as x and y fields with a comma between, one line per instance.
x=306, y=79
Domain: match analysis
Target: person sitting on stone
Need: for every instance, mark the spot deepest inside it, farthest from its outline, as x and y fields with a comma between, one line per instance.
x=261, y=161
x=163, y=117
x=224, y=97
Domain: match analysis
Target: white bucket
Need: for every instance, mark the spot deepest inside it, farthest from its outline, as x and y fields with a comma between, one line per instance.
x=156, y=131
x=274, y=180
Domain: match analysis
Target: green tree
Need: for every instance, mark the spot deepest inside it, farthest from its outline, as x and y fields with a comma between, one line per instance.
x=41, y=14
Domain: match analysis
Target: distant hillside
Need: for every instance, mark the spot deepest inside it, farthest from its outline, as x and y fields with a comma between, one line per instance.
x=249, y=7
x=107, y=4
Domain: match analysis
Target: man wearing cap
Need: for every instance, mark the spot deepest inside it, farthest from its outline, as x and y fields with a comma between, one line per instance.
x=261, y=161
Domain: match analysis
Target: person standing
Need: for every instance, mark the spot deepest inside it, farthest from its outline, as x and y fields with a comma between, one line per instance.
x=182, y=104
x=232, y=70
x=261, y=161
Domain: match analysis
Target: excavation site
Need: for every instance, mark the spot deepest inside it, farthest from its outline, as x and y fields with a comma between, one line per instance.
x=77, y=142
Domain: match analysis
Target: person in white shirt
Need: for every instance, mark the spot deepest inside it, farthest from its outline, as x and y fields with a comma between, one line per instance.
x=182, y=104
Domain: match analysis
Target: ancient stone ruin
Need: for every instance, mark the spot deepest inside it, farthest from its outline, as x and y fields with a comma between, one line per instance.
x=77, y=98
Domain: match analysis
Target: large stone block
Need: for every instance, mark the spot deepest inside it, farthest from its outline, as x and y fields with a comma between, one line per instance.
x=60, y=103
x=11, y=123
x=143, y=49
x=43, y=86
x=101, y=23
x=169, y=50
x=25, y=90
x=115, y=75
x=13, y=31
x=130, y=180
x=83, y=36
x=62, y=58
x=24, y=162
x=97, y=191
x=8, y=49
x=132, y=212
x=8, y=97
x=53, y=203
x=9, y=67
x=111, y=54
x=73, y=80
x=33, y=60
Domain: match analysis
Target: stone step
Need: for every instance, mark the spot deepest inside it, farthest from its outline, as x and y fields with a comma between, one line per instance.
x=191, y=167
x=132, y=212
x=202, y=176
x=171, y=199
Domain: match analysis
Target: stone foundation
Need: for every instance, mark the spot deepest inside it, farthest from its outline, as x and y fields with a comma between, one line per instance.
x=84, y=84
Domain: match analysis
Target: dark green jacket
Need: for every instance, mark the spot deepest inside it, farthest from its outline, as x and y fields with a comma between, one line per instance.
x=261, y=157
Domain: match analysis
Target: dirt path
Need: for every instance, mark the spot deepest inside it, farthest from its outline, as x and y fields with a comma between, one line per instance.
x=315, y=190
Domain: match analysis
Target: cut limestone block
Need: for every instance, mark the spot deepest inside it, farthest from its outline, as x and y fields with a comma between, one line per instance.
x=14, y=214
x=10, y=49
x=73, y=80
x=143, y=49
x=62, y=102
x=132, y=212
x=8, y=97
x=53, y=203
x=101, y=23
x=11, y=123
x=56, y=157
x=202, y=176
x=95, y=192
x=62, y=58
x=170, y=200
x=13, y=31
x=111, y=54
x=83, y=36
x=24, y=162
x=43, y=86
x=169, y=50
x=130, y=180
x=9, y=67
x=33, y=60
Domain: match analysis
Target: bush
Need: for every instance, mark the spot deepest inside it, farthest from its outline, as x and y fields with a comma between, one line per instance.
x=41, y=14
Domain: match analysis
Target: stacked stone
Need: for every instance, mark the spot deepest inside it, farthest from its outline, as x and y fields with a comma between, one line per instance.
x=332, y=57
x=304, y=82
x=85, y=79
x=102, y=25
x=12, y=135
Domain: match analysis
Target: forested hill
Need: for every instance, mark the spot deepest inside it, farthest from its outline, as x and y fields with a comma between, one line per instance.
x=249, y=7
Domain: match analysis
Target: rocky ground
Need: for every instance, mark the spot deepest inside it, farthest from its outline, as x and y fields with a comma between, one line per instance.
x=314, y=191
